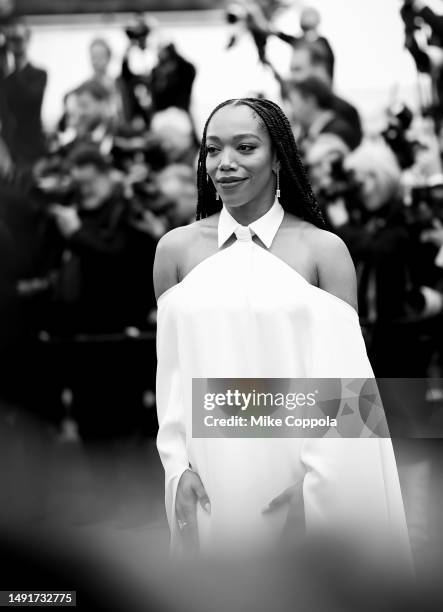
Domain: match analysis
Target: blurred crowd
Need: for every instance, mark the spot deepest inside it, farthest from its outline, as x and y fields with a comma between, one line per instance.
x=83, y=206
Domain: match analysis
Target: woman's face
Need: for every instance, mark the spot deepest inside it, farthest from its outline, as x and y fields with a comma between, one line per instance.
x=100, y=58
x=240, y=160
x=373, y=193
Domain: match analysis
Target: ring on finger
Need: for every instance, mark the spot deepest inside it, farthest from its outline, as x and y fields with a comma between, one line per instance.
x=181, y=524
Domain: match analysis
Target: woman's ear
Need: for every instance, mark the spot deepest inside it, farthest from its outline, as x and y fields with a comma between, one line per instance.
x=276, y=165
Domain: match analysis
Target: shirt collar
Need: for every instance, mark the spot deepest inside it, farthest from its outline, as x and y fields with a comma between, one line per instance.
x=265, y=227
x=320, y=123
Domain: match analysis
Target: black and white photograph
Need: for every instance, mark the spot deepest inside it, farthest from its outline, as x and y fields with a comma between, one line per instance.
x=221, y=305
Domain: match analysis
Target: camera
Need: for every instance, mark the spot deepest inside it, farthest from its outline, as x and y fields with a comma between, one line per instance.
x=235, y=13
x=409, y=17
x=139, y=31
x=413, y=23
x=426, y=203
x=395, y=135
x=53, y=185
x=343, y=184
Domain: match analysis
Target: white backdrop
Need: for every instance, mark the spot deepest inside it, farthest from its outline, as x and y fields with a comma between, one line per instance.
x=367, y=36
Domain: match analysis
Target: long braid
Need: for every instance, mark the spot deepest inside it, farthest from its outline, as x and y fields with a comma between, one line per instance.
x=206, y=203
x=287, y=153
x=296, y=193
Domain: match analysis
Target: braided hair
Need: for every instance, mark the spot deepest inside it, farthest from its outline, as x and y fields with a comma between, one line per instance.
x=296, y=193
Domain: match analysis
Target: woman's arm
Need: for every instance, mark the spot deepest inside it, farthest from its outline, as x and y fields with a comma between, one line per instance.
x=335, y=268
x=183, y=487
x=165, y=274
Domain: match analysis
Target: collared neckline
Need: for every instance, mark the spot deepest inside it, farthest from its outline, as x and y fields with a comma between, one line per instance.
x=265, y=227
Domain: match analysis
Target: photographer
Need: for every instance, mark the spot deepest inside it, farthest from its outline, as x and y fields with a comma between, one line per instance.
x=163, y=77
x=419, y=8
x=100, y=54
x=309, y=22
x=429, y=59
x=308, y=60
x=7, y=16
x=394, y=267
x=23, y=91
x=136, y=72
x=312, y=106
x=94, y=275
x=90, y=118
x=171, y=80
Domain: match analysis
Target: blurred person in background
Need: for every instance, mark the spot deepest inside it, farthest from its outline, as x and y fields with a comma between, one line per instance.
x=23, y=90
x=400, y=305
x=103, y=284
x=99, y=292
x=324, y=162
x=5, y=158
x=177, y=183
x=310, y=20
x=312, y=107
x=175, y=132
x=139, y=59
x=154, y=75
x=8, y=298
x=426, y=49
x=7, y=17
x=171, y=80
x=100, y=54
x=96, y=242
x=392, y=263
x=309, y=60
x=89, y=118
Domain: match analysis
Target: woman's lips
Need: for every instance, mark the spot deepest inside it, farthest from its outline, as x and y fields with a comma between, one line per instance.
x=231, y=184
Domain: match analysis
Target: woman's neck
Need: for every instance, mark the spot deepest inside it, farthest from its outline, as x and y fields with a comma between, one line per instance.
x=251, y=211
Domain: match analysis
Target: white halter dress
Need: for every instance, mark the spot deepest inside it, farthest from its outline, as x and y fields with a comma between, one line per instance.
x=243, y=312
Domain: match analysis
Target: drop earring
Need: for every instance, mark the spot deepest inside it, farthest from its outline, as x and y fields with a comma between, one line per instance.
x=217, y=197
x=277, y=193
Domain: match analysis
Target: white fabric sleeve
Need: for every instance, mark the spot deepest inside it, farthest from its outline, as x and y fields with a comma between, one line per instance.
x=351, y=485
x=171, y=437
x=351, y=488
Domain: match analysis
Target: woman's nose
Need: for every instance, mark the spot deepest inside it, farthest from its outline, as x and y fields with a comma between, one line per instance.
x=226, y=161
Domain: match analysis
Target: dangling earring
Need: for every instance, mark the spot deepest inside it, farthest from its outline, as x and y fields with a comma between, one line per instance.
x=277, y=193
x=217, y=197
x=207, y=177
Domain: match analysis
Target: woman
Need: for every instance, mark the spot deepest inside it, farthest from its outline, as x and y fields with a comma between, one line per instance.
x=255, y=288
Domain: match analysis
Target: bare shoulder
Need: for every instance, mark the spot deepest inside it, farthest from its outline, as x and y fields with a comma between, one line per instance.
x=326, y=244
x=170, y=251
x=322, y=243
x=174, y=240
x=335, y=268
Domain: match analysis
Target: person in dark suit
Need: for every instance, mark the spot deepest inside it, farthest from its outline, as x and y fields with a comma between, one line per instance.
x=23, y=91
x=312, y=106
x=92, y=120
x=309, y=60
x=427, y=57
x=171, y=80
x=309, y=23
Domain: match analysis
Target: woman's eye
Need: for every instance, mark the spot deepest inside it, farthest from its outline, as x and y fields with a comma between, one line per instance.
x=245, y=147
x=211, y=150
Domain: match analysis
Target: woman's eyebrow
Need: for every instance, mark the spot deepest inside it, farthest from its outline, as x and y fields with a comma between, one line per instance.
x=236, y=137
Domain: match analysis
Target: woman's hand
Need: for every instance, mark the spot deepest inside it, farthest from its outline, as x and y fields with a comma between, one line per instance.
x=190, y=490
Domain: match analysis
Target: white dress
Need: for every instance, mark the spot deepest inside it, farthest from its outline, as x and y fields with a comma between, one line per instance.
x=243, y=312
